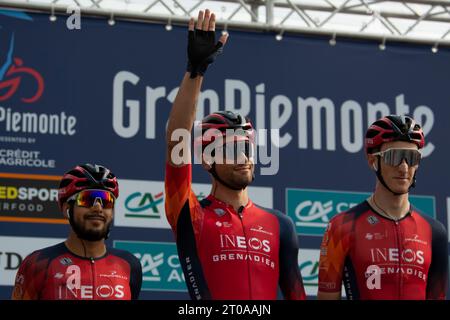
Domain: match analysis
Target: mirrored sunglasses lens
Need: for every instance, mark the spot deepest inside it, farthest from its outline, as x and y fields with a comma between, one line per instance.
x=88, y=198
x=395, y=157
x=413, y=158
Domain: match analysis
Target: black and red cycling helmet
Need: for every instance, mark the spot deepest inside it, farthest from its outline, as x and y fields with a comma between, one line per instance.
x=222, y=121
x=226, y=125
x=393, y=128
x=87, y=176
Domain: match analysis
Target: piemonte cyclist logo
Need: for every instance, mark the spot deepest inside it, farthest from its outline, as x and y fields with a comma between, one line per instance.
x=14, y=75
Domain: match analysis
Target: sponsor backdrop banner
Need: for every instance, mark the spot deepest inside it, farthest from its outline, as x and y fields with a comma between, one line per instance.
x=141, y=203
x=13, y=251
x=308, y=262
x=103, y=94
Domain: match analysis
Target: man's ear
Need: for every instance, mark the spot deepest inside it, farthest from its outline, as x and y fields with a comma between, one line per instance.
x=65, y=209
x=372, y=162
x=206, y=165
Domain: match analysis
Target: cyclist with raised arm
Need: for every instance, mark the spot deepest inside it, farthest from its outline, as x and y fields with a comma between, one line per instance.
x=229, y=247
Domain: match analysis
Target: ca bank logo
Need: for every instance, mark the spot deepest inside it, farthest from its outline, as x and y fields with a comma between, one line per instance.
x=141, y=205
x=312, y=209
x=138, y=202
x=308, y=263
x=161, y=269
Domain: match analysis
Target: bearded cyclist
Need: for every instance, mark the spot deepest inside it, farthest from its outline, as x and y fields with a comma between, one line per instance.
x=229, y=248
x=82, y=267
x=384, y=248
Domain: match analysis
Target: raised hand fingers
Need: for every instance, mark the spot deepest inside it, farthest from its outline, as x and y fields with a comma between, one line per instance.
x=205, y=26
x=191, y=24
x=212, y=23
x=199, y=20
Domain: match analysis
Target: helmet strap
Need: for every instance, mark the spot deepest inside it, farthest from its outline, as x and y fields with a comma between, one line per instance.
x=413, y=184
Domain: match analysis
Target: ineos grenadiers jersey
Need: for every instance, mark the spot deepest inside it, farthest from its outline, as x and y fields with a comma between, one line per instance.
x=227, y=254
x=54, y=273
x=379, y=258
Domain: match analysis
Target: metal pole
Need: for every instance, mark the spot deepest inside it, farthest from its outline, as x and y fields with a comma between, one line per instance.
x=248, y=26
x=269, y=12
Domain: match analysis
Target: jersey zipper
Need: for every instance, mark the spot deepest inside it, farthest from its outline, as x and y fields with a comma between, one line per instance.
x=241, y=217
x=397, y=238
x=94, y=286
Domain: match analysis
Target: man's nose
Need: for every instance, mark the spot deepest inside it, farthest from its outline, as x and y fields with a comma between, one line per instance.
x=403, y=166
x=97, y=206
x=242, y=158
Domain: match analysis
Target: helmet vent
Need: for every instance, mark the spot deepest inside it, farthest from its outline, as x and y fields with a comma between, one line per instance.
x=64, y=183
x=371, y=133
x=388, y=135
x=383, y=125
x=76, y=173
x=109, y=184
x=82, y=183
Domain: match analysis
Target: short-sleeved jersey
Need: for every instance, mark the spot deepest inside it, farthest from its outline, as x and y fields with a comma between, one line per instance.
x=379, y=258
x=55, y=273
x=227, y=254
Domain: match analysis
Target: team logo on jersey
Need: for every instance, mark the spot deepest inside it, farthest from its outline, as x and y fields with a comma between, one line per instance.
x=220, y=212
x=261, y=230
x=415, y=238
x=372, y=220
x=224, y=224
x=376, y=236
x=65, y=261
x=240, y=248
x=114, y=274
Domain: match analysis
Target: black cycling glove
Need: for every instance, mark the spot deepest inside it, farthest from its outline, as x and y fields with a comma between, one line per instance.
x=202, y=51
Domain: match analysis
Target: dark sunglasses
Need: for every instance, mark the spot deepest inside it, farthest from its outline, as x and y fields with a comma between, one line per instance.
x=394, y=157
x=88, y=198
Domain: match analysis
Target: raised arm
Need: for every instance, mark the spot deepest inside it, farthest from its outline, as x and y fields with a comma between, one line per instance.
x=202, y=51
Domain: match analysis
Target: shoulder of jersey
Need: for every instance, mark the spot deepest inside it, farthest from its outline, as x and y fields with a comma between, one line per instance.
x=353, y=212
x=434, y=223
x=123, y=254
x=54, y=250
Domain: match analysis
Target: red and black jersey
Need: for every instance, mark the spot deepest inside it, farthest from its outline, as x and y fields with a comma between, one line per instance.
x=379, y=258
x=55, y=273
x=227, y=254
